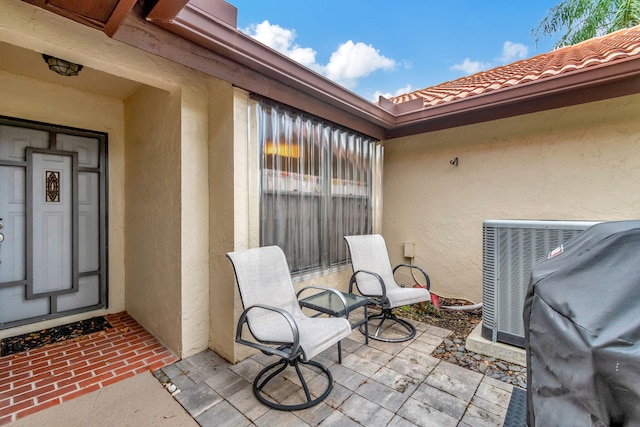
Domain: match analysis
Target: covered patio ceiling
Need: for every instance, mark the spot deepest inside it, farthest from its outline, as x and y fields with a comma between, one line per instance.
x=202, y=34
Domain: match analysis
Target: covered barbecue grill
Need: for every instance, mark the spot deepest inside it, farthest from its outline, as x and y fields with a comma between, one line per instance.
x=582, y=330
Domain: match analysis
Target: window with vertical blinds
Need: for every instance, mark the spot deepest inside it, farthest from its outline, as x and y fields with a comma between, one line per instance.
x=316, y=185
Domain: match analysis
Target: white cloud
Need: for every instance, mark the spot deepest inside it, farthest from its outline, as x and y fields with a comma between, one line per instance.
x=406, y=64
x=397, y=92
x=471, y=67
x=348, y=64
x=512, y=52
x=283, y=40
x=353, y=61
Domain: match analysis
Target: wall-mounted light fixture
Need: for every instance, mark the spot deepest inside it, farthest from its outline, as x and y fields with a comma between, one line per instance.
x=62, y=67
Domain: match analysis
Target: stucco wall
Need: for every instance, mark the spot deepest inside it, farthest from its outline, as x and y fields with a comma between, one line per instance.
x=222, y=219
x=194, y=227
x=167, y=215
x=153, y=213
x=577, y=163
x=23, y=98
x=167, y=206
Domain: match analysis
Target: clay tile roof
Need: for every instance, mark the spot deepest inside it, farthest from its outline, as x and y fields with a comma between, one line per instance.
x=597, y=51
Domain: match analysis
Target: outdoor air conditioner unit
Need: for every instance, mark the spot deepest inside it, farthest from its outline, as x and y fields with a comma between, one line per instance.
x=510, y=249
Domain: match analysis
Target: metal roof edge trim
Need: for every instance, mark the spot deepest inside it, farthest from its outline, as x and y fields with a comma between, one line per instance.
x=193, y=24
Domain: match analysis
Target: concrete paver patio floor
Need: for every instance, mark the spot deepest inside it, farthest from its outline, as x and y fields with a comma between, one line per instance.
x=382, y=384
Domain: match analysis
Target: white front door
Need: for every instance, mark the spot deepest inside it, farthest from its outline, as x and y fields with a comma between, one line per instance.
x=52, y=222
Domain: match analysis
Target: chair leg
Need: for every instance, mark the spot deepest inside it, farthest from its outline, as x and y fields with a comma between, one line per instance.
x=279, y=367
x=384, y=316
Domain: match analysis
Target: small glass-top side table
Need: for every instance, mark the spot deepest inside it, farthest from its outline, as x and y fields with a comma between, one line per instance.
x=338, y=304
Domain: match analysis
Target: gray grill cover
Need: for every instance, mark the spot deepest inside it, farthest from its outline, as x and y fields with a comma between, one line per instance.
x=582, y=331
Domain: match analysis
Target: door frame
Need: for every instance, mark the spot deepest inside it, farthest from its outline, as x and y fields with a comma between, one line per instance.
x=103, y=213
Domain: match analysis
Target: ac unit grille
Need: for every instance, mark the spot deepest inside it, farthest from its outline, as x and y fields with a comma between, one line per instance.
x=489, y=280
x=510, y=250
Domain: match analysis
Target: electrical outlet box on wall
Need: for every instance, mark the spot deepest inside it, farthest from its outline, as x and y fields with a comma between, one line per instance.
x=409, y=250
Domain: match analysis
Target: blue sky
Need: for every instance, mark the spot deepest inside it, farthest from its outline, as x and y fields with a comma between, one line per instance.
x=391, y=47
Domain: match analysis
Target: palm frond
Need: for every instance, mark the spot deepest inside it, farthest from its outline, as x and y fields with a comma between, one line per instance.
x=579, y=20
x=627, y=15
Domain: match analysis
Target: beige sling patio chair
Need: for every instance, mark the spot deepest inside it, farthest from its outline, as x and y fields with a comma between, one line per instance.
x=374, y=278
x=278, y=326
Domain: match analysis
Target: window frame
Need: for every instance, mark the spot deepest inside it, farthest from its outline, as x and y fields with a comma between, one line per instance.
x=338, y=170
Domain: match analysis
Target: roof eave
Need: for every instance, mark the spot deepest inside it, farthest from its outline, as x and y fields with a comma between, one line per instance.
x=587, y=85
x=211, y=43
x=194, y=23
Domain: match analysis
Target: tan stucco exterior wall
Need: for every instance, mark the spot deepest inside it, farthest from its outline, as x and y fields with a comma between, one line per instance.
x=194, y=214
x=158, y=166
x=577, y=163
x=153, y=212
x=221, y=220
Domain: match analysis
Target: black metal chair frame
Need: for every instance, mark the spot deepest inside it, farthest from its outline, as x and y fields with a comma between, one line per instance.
x=386, y=311
x=291, y=355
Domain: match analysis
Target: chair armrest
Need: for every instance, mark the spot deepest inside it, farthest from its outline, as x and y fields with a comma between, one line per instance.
x=424, y=273
x=333, y=291
x=294, y=329
x=376, y=275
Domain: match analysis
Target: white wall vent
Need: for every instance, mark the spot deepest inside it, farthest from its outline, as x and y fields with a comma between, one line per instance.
x=510, y=249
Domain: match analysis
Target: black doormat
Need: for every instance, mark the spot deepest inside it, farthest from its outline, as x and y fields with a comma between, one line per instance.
x=52, y=335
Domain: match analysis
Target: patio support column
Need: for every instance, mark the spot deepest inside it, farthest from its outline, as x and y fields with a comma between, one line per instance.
x=222, y=289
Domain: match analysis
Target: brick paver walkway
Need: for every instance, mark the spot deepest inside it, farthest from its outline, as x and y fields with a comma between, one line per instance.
x=47, y=376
